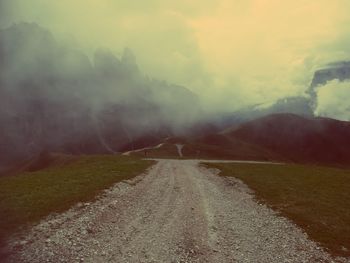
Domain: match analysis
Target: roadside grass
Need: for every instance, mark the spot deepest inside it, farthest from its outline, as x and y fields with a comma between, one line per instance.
x=315, y=198
x=30, y=196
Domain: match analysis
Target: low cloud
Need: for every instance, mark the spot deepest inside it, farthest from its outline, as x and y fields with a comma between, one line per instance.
x=53, y=97
x=333, y=100
x=231, y=53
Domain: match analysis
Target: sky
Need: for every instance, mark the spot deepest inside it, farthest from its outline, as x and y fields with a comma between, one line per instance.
x=232, y=53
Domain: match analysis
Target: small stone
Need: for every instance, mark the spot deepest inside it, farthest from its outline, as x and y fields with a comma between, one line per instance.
x=23, y=243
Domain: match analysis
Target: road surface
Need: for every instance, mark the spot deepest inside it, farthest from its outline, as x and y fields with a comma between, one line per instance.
x=177, y=212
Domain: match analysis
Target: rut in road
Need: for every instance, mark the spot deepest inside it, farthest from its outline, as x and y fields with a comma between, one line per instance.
x=177, y=212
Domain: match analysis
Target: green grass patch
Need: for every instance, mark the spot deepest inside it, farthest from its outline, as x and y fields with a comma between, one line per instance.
x=29, y=196
x=315, y=198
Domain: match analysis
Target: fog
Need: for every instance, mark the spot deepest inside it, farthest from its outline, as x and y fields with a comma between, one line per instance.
x=231, y=53
x=53, y=97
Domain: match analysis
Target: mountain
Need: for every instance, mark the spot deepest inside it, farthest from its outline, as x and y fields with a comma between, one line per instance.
x=294, y=105
x=300, y=105
x=53, y=98
x=281, y=137
x=297, y=138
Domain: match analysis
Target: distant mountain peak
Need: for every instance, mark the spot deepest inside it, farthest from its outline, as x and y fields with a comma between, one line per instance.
x=128, y=59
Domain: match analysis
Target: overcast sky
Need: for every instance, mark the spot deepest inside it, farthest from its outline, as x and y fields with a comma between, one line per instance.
x=230, y=52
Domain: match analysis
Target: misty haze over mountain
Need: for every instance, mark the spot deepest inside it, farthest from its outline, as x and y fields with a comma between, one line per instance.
x=53, y=98
x=61, y=90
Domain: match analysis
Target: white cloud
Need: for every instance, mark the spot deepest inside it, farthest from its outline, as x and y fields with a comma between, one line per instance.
x=333, y=100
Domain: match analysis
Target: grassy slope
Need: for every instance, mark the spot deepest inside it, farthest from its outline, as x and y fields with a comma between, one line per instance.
x=30, y=196
x=166, y=151
x=299, y=139
x=230, y=150
x=315, y=198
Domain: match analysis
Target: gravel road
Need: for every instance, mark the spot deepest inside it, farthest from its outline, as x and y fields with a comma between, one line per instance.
x=176, y=212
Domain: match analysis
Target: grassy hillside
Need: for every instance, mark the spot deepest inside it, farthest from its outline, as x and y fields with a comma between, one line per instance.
x=277, y=137
x=298, y=139
x=315, y=198
x=167, y=151
x=221, y=146
x=29, y=196
x=215, y=146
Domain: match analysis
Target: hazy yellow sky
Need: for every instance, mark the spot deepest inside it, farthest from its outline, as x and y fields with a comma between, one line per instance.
x=231, y=52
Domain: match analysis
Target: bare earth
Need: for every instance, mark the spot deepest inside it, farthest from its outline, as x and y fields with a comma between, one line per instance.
x=177, y=212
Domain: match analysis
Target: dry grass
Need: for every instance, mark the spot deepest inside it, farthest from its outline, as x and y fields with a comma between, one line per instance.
x=315, y=198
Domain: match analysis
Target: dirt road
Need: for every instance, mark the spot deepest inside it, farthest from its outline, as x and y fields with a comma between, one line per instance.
x=177, y=212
